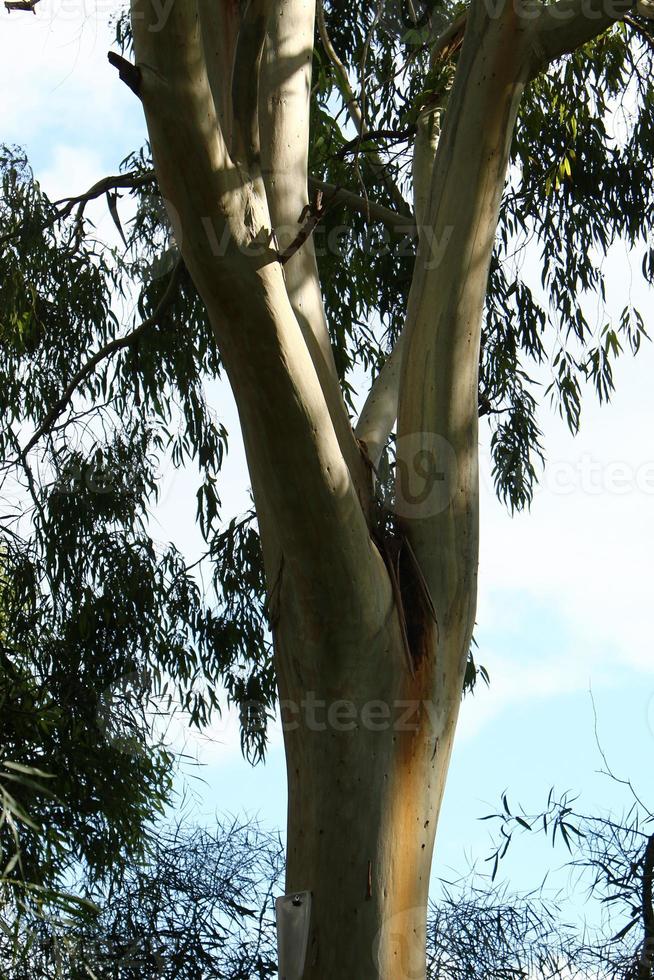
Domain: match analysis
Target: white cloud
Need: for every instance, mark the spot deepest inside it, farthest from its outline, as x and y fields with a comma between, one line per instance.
x=587, y=546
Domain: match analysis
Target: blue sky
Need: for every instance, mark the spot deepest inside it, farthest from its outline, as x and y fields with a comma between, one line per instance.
x=565, y=590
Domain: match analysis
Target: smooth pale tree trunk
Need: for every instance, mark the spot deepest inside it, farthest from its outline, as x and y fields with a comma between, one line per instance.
x=371, y=630
x=366, y=776
x=367, y=752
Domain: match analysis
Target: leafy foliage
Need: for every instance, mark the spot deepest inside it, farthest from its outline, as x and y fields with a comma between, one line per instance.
x=88, y=596
x=580, y=181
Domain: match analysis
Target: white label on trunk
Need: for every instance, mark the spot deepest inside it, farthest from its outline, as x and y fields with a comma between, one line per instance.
x=293, y=915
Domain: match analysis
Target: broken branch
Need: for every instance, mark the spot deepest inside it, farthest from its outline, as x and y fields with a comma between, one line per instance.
x=127, y=72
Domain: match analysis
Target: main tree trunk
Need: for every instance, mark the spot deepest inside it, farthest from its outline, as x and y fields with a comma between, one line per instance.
x=371, y=627
x=367, y=745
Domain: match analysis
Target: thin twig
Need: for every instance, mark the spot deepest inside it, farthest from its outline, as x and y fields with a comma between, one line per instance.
x=66, y=205
x=400, y=224
x=392, y=135
x=644, y=33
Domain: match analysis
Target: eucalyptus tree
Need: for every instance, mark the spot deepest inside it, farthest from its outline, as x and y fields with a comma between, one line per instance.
x=347, y=187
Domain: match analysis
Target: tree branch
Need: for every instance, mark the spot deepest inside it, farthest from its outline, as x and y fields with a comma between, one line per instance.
x=640, y=29
x=111, y=183
x=399, y=224
x=301, y=451
x=311, y=216
x=219, y=27
x=284, y=118
x=437, y=480
x=119, y=343
x=379, y=412
x=566, y=25
x=24, y=5
x=392, y=135
x=67, y=204
x=127, y=72
x=343, y=81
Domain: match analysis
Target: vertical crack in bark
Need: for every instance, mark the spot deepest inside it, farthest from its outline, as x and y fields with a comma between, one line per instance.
x=415, y=608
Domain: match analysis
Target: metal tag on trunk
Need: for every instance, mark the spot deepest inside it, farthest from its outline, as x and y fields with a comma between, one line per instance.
x=293, y=915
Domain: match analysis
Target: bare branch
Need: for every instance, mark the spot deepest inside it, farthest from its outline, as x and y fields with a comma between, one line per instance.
x=392, y=135
x=399, y=224
x=103, y=187
x=67, y=204
x=350, y=99
x=311, y=215
x=379, y=412
x=111, y=183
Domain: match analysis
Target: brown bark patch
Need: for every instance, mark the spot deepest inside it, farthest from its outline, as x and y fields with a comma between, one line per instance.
x=418, y=609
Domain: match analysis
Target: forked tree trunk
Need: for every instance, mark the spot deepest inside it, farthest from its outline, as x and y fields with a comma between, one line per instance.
x=367, y=755
x=371, y=631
